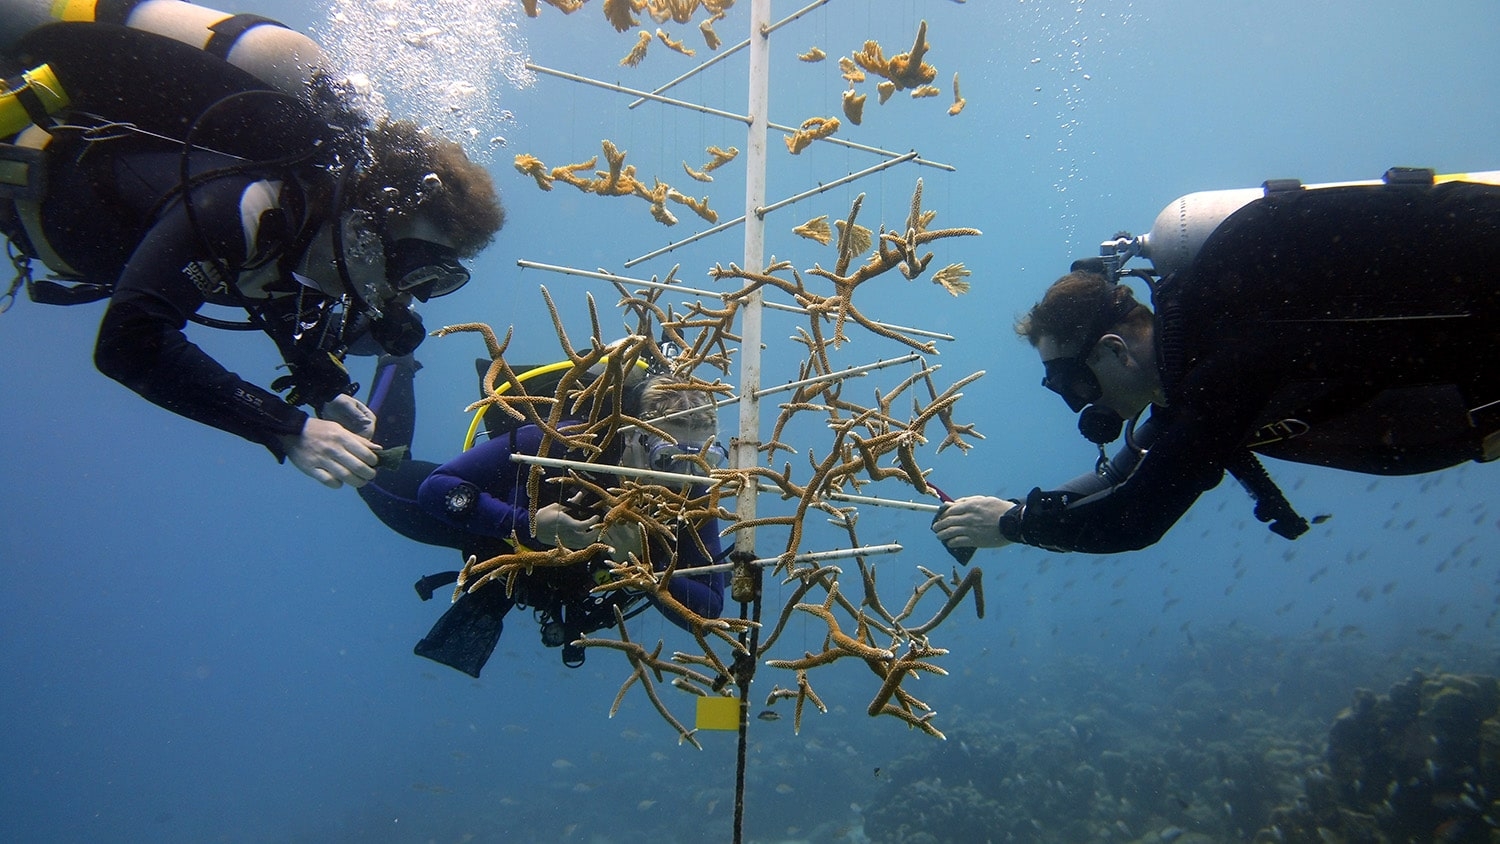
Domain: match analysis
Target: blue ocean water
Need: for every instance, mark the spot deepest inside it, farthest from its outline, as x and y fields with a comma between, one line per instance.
x=203, y=645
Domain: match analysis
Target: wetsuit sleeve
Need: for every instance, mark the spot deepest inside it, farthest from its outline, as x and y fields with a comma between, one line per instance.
x=701, y=593
x=141, y=342
x=1188, y=447
x=479, y=491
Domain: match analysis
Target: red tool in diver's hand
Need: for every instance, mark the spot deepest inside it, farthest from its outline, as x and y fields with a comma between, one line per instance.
x=963, y=555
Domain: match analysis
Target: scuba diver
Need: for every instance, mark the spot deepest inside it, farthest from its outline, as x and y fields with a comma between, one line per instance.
x=478, y=503
x=257, y=186
x=1354, y=326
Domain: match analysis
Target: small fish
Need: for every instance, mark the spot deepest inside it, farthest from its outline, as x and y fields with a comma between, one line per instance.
x=769, y=715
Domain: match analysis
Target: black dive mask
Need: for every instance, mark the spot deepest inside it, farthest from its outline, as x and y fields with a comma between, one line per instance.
x=663, y=456
x=424, y=269
x=1072, y=379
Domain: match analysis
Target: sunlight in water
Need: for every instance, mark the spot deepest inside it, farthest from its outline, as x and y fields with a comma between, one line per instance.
x=443, y=63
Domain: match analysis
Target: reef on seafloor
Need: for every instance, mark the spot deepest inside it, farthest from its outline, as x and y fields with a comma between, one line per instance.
x=1238, y=739
x=1421, y=763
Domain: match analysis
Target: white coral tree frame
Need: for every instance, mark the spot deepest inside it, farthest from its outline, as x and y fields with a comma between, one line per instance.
x=747, y=443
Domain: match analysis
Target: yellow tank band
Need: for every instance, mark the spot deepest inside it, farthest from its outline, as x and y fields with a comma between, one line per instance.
x=40, y=82
x=74, y=10
x=1490, y=177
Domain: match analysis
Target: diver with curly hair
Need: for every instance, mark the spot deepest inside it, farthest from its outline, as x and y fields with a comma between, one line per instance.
x=257, y=192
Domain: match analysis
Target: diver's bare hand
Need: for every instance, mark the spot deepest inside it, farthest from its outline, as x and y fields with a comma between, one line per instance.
x=972, y=522
x=331, y=454
x=554, y=526
x=351, y=413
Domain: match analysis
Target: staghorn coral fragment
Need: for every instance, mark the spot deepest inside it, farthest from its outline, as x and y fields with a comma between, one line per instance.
x=908, y=70
x=637, y=53
x=532, y=166
x=854, y=106
x=720, y=158
x=699, y=206
x=811, y=130
x=717, y=158
x=619, y=13
x=872, y=59
x=885, y=89
x=618, y=181
x=924, y=91
x=681, y=11
x=813, y=54
x=856, y=238
x=710, y=37
x=851, y=72
x=567, y=7
x=815, y=229
x=958, y=101
x=568, y=173
x=674, y=45
x=660, y=213
x=951, y=278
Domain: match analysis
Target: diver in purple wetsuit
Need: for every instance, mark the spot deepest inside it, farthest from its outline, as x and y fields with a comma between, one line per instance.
x=477, y=503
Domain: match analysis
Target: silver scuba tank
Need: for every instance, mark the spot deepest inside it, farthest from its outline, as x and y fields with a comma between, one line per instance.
x=283, y=58
x=1181, y=228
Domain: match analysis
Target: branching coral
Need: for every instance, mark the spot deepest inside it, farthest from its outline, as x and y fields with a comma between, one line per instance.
x=620, y=180
x=674, y=44
x=637, y=53
x=812, y=129
x=868, y=442
x=854, y=106
x=815, y=229
x=958, y=101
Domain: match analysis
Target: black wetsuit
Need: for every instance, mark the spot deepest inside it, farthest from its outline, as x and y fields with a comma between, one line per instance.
x=170, y=274
x=114, y=213
x=1365, y=320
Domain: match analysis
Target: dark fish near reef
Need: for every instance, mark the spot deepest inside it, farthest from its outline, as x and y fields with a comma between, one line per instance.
x=769, y=715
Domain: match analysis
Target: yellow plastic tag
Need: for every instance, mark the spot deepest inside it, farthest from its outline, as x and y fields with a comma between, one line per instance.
x=718, y=713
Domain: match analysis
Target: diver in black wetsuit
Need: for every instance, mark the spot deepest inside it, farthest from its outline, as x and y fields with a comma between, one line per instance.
x=324, y=229
x=1355, y=327
x=477, y=503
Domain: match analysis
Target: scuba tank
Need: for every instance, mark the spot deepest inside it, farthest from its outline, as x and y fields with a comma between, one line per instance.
x=280, y=57
x=1181, y=229
x=1174, y=243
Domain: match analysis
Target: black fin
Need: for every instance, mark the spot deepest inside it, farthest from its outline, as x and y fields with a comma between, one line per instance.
x=466, y=635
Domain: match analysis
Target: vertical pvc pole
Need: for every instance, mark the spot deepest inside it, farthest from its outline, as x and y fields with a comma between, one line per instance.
x=747, y=444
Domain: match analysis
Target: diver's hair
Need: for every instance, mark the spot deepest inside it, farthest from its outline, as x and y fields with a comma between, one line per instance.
x=1081, y=306
x=660, y=395
x=404, y=158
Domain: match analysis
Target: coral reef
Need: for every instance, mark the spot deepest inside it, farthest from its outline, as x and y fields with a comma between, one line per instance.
x=1421, y=763
x=1232, y=745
